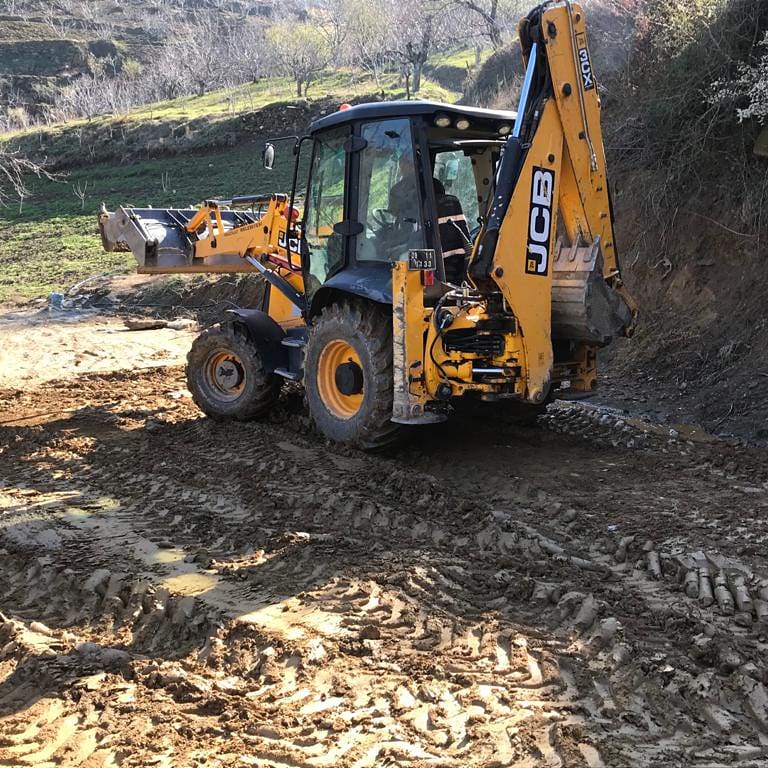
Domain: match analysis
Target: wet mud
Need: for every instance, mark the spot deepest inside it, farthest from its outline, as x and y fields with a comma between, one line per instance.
x=591, y=591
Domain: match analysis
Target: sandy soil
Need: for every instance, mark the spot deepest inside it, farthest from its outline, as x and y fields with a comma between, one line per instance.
x=43, y=345
x=589, y=592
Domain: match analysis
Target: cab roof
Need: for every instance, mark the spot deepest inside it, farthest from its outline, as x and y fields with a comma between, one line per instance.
x=379, y=110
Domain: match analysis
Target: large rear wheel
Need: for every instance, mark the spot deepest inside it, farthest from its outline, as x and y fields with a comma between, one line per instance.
x=348, y=374
x=226, y=376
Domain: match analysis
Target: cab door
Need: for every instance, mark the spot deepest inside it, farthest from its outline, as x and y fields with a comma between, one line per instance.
x=388, y=200
x=323, y=240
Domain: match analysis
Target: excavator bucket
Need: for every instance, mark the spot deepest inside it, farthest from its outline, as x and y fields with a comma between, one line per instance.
x=584, y=307
x=160, y=242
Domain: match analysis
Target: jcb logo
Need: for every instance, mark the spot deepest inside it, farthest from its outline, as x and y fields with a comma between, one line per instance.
x=282, y=242
x=586, y=69
x=540, y=222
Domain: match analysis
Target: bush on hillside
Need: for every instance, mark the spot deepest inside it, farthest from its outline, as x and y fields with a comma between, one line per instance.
x=685, y=50
x=749, y=88
x=674, y=110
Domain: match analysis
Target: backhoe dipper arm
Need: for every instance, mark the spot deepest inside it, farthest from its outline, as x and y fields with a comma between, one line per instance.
x=554, y=166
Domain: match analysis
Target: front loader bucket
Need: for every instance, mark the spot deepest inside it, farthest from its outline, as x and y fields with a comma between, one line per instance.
x=159, y=241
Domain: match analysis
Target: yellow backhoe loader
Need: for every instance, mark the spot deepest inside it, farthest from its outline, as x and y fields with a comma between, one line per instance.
x=441, y=251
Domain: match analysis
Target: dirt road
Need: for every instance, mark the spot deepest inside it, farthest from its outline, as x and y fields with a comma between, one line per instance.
x=179, y=592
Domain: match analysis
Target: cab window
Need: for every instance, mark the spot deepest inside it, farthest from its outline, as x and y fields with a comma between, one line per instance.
x=389, y=203
x=455, y=173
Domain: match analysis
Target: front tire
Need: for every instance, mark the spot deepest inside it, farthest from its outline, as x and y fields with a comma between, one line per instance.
x=348, y=376
x=226, y=376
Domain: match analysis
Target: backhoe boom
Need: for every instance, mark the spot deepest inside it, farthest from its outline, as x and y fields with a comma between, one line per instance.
x=553, y=169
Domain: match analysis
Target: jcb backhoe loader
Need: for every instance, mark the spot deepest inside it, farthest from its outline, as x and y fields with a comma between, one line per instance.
x=442, y=251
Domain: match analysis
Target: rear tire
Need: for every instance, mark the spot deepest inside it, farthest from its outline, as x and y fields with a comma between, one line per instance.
x=226, y=376
x=348, y=376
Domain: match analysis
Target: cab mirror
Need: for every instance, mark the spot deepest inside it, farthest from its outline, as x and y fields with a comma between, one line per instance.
x=268, y=156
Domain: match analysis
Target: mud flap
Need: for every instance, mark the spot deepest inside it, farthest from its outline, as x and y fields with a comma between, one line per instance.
x=584, y=307
x=266, y=334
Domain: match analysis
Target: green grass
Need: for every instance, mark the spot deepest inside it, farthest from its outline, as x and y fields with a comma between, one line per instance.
x=53, y=254
x=52, y=242
x=461, y=58
x=342, y=85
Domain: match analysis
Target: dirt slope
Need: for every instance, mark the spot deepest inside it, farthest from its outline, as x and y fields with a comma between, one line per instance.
x=700, y=352
x=180, y=592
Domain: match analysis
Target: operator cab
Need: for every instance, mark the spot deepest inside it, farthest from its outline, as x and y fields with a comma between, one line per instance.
x=393, y=178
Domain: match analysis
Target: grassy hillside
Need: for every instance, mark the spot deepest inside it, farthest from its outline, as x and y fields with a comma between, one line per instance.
x=169, y=154
x=53, y=242
x=64, y=143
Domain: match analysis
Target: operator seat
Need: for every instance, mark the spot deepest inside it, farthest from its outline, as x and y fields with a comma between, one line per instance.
x=455, y=241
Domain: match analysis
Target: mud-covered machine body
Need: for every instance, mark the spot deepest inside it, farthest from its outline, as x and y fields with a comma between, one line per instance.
x=440, y=251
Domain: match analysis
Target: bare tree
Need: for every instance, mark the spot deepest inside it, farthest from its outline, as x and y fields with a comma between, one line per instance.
x=203, y=53
x=334, y=20
x=253, y=61
x=11, y=7
x=420, y=26
x=79, y=191
x=83, y=98
x=52, y=16
x=14, y=170
x=168, y=80
x=301, y=52
x=493, y=16
x=369, y=41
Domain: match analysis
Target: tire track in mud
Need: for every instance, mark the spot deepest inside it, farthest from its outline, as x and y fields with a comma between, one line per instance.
x=344, y=609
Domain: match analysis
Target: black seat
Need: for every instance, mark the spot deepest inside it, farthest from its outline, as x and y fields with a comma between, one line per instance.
x=454, y=237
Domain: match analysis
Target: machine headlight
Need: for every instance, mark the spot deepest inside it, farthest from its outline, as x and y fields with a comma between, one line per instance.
x=504, y=129
x=442, y=120
x=462, y=123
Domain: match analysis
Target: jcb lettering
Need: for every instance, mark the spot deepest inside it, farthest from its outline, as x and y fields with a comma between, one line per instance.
x=538, y=260
x=539, y=225
x=291, y=244
x=540, y=222
x=542, y=188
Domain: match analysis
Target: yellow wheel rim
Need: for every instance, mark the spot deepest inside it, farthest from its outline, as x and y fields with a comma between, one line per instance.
x=335, y=354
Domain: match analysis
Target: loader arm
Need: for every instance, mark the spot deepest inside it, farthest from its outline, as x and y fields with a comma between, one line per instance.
x=244, y=234
x=552, y=172
x=218, y=236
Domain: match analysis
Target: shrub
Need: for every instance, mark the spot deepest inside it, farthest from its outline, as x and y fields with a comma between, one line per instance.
x=500, y=74
x=686, y=50
x=749, y=88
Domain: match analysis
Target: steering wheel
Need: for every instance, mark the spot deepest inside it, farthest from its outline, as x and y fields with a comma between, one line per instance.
x=383, y=218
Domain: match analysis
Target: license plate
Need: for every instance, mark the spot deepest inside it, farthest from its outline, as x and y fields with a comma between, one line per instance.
x=422, y=260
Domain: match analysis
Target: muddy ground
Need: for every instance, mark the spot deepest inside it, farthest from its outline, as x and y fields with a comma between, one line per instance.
x=592, y=591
